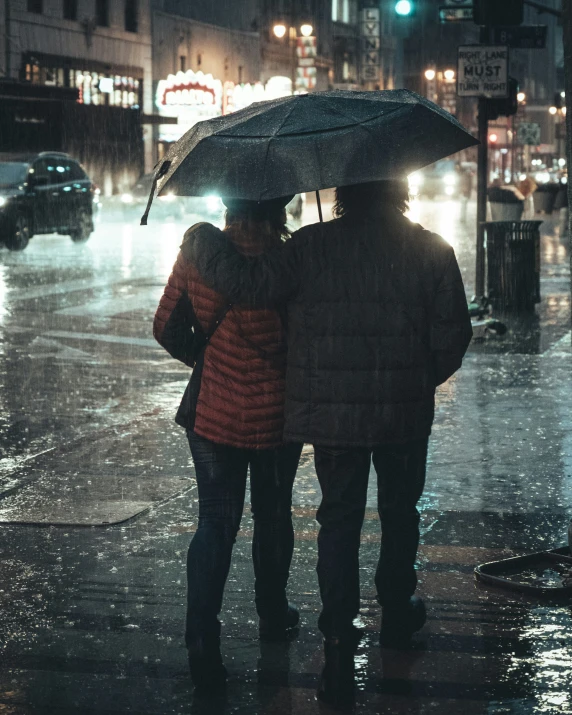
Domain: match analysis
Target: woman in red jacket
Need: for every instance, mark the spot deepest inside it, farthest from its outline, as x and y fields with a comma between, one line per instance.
x=233, y=411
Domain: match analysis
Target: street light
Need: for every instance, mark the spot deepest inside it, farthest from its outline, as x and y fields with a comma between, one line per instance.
x=521, y=97
x=553, y=110
x=279, y=30
x=287, y=30
x=449, y=75
x=430, y=75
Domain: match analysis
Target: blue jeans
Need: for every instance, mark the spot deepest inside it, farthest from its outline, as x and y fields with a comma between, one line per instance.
x=343, y=475
x=221, y=473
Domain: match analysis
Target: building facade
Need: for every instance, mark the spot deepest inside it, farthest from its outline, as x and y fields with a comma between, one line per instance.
x=101, y=49
x=201, y=69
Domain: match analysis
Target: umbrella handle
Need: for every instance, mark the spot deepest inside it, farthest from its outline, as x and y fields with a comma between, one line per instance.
x=319, y=206
x=162, y=171
x=149, y=202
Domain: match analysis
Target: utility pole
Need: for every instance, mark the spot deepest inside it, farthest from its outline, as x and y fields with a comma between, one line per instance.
x=567, y=32
x=482, y=182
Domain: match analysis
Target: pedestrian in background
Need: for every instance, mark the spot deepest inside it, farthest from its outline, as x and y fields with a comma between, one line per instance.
x=233, y=412
x=377, y=318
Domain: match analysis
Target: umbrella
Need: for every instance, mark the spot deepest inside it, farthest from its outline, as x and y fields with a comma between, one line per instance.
x=310, y=142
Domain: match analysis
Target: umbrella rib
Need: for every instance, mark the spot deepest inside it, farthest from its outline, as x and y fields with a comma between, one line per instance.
x=271, y=138
x=309, y=133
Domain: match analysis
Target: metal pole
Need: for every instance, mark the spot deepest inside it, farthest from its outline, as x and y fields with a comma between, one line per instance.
x=482, y=180
x=8, y=39
x=567, y=25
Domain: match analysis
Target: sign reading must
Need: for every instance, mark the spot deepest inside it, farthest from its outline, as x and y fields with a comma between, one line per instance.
x=482, y=71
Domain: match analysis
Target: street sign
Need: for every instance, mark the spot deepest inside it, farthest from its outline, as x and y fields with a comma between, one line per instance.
x=528, y=134
x=369, y=59
x=456, y=14
x=482, y=71
x=371, y=44
x=524, y=37
x=370, y=36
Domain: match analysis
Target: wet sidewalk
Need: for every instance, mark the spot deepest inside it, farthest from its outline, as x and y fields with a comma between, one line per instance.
x=92, y=616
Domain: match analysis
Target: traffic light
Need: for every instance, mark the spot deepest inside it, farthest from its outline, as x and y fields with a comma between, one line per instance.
x=498, y=12
x=404, y=8
x=504, y=107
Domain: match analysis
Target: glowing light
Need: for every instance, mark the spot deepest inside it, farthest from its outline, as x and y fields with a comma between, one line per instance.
x=449, y=75
x=521, y=96
x=403, y=7
x=306, y=30
x=493, y=138
x=553, y=110
x=430, y=75
x=279, y=30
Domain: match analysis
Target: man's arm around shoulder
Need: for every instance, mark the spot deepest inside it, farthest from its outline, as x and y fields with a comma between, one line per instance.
x=259, y=281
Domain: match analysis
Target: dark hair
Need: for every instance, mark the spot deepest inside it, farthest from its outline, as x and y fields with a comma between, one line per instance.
x=372, y=197
x=266, y=219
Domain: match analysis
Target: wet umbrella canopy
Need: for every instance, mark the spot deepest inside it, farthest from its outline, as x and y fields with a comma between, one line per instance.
x=310, y=142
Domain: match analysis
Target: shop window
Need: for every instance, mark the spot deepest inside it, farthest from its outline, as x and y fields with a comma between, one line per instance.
x=70, y=9
x=131, y=15
x=102, y=13
x=36, y=6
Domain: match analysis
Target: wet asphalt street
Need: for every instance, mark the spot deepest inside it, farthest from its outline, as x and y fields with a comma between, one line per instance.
x=98, y=503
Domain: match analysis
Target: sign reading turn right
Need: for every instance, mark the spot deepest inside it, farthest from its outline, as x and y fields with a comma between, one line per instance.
x=482, y=71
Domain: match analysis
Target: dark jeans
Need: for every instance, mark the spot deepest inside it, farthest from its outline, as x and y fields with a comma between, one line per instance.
x=343, y=476
x=221, y=473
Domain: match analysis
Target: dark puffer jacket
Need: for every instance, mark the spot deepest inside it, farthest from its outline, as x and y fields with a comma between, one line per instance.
x=377, y=318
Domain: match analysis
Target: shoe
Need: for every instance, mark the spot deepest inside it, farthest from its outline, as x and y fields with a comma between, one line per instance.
x=270, y=629
x=400, y=622
x=337, y=681
x=206, y=667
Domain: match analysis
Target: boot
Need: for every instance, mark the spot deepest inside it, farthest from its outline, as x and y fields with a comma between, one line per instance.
x=206, y=667
x=337, y=681
x=400, y=621
x=279, y=629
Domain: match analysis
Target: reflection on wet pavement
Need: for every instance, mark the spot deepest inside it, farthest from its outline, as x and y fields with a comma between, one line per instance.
x=92, y=618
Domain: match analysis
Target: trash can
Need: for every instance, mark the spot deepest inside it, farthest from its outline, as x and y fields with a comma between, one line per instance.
x=507, y=203
x=513, y=264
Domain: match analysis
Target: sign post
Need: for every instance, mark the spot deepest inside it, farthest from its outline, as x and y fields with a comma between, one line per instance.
x=482, y=72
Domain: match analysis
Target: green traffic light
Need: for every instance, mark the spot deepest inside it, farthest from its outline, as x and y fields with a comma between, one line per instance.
x=403, y=7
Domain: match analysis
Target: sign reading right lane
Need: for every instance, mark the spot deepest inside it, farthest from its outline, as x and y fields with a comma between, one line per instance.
x=482, y=71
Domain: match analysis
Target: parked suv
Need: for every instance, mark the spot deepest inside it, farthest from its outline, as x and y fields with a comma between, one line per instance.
x=44, y=193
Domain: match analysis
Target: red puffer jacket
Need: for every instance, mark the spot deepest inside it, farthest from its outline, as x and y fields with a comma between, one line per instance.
x=241, y=398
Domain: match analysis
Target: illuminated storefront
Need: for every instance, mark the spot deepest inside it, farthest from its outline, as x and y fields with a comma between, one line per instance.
x=192, y=97
x=98, y=84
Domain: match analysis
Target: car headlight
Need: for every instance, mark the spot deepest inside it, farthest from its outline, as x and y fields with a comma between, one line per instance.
x=450, y=179
x=213, y=203
x=415, y=179
x=126, y=198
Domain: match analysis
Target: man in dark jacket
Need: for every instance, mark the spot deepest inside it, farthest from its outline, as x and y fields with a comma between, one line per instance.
x=377, y=318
